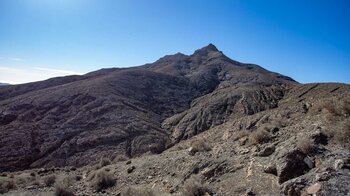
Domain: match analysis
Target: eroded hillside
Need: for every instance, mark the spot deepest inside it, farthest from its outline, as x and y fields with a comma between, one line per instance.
x=76, y=120
x=199, y=124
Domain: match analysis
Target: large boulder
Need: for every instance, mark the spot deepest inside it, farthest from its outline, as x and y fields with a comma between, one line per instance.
x=290, y=165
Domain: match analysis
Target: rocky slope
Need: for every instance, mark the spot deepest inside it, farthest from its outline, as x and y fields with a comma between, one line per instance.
x=227, y=128
x=77, y=120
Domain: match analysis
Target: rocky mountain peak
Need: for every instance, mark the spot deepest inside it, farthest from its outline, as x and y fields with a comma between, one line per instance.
x=205, y=51
x=210, y=47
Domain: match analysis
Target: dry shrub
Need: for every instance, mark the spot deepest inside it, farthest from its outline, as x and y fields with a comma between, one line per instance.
x=279, y=123
x=120, y=158
x=182, y=145
x=63, y=189
x=330, y=108
x=102, y=180
x=338, y=125
x=259, y=136
x=305, y=145
x=193, y=188
x=200, y=145
x=20, y=180
x=338, y=108
x=345, y=108
x=104, y=162
x=69, y=180
x=35, y=182
x=341, y=135
x=141, y=191
x=49, y=180
x=334, y=108
x=6, y=186
x=240, y=134
x=24, y=179
x=157, y=148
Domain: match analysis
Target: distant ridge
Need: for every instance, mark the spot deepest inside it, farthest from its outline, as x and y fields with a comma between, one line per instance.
x=4, y=84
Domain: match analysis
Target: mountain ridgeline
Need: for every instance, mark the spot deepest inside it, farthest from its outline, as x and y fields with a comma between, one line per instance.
x=200, y=124
x=76, y=120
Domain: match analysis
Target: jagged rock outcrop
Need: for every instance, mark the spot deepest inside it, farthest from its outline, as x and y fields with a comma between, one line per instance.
x=290, y=165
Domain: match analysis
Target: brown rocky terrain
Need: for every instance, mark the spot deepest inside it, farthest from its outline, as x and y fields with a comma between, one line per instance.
x=199, y=124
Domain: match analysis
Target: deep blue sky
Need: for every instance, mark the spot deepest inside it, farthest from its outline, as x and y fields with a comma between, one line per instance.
x=308, y=40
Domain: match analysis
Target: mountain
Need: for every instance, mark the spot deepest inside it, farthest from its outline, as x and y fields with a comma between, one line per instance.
x=62, y=120
x=4, y=84
x=151, y=114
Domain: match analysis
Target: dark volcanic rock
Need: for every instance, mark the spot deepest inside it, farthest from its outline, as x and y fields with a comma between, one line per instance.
x=290, y=165
x=267, y=151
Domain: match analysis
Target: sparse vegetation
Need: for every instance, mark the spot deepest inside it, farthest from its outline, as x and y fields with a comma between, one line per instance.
x=334, y=108
x=337, y=115
x=305, y=145
x=102, y=180
x=143, y=191
x=62, y=189
x=24, y=179
x=35, y=182
x=341, y=135
x=200, y=145
x=120, y=158
x=240, y=134
x=49, y=180
x=6, y=185
x=104, y=162
x=330, y=108
x=193, y=188
x=345, y=107
x=259, y=136
x=69, y=180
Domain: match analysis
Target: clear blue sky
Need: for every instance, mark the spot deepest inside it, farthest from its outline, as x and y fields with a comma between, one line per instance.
x=308, y=40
